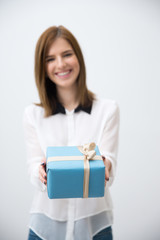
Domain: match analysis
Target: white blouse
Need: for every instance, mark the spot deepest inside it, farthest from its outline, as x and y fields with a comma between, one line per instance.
x=101, y=126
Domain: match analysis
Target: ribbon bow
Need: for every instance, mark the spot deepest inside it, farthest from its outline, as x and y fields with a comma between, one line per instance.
x=88, y=150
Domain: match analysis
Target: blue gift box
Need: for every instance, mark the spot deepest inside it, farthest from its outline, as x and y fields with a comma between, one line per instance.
x=65, y=173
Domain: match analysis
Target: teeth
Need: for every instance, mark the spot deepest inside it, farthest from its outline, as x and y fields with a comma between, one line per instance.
x=63, y=73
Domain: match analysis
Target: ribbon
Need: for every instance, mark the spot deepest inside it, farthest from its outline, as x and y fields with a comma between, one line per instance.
x=88, y=154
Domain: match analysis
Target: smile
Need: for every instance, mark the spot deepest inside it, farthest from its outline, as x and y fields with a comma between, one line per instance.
x=63, y=74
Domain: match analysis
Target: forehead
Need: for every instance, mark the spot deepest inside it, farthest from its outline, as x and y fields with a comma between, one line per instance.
x=58, y=46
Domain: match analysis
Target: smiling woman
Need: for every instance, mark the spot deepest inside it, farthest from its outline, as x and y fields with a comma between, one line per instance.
x=59, y=59
x=68, y=114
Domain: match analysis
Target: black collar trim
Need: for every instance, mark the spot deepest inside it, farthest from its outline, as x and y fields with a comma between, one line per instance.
x=61, y=109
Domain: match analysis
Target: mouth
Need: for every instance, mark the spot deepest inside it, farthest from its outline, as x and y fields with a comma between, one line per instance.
x=64, y=73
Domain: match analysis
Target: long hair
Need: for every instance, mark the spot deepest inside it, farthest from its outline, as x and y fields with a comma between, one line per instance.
x=46, y=88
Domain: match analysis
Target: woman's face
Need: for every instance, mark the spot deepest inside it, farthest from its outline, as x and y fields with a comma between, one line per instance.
x=62, y=66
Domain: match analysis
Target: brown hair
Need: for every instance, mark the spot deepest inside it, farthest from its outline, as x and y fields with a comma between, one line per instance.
x=46, y=88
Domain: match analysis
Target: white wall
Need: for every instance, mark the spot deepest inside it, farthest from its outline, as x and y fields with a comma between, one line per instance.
x=121, y=45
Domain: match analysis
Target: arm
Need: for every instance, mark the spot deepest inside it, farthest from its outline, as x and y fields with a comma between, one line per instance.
x=35, y=155
x=109, y=144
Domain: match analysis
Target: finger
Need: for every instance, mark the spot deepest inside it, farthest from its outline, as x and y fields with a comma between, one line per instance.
x=43, y=164
x=106, y=168
x=42, y=174
x=42, y=179
x=106, y=174
x=43, y=161
x=103, y=158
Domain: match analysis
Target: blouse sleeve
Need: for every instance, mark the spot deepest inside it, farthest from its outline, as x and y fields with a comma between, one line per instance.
x=33, y=150
x=109, y=140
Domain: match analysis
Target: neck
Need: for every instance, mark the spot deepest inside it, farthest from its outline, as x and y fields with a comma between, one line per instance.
x=68, y=97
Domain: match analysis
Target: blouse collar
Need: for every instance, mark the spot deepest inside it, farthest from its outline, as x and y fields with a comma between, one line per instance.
x=61, y=109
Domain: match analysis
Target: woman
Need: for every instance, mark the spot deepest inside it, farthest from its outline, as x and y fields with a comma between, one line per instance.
x=68, y=114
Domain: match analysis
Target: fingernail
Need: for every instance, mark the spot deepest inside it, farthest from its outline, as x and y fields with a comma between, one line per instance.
x=42, y=164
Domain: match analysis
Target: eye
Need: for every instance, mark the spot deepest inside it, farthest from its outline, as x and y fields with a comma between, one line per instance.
x=68, y=55
x=50, y=59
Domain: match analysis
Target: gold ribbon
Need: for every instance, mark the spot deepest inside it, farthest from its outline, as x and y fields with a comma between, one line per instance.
x=88, y=154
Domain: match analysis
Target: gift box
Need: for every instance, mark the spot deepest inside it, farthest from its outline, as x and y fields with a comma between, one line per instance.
x=75, y=172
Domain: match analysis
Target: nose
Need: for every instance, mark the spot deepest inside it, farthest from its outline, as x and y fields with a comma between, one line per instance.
x=60, y=62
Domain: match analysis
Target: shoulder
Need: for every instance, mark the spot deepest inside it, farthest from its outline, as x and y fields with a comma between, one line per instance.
x=107, y=106
x=33, y=112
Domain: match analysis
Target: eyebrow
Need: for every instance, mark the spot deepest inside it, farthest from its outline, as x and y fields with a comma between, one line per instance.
x=67, y=51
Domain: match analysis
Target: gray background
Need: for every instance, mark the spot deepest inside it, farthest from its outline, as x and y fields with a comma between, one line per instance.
x=121, y=44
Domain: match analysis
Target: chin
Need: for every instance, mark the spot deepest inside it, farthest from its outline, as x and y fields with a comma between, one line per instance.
x=66, y=85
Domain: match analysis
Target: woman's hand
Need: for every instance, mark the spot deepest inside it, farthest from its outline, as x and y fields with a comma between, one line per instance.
x=42, y=171
x=108, y=165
